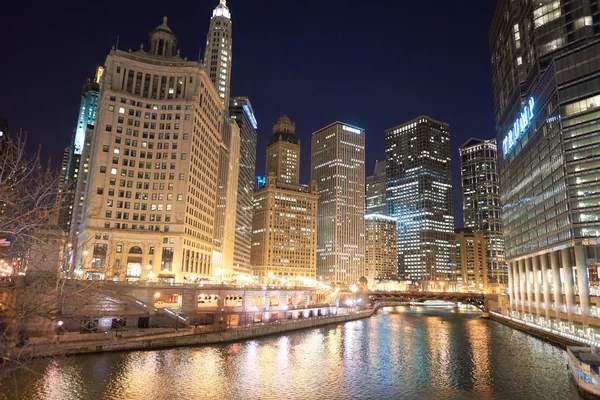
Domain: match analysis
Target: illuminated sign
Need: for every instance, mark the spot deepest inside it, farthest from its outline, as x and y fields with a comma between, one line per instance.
x=519, y=126
x=250, y=116
x=353, y=130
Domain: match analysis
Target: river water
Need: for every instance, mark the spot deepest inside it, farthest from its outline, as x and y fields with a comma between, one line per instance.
x=399, y=353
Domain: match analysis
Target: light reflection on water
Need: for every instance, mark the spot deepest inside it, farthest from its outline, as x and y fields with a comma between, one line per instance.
x=399, y=353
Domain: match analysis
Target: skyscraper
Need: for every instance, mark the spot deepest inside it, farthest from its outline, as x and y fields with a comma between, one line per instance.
x=338, y=167
x=481, y=200
x=283, y=152
x=151, y=193
x=284, y=240
x=419, y=196
x=227, y=190
x=376, y=202
x=546, y=82
x=381, y=248
x=241, y=111
x=217, y=55
x=86, y=117
x=471, y=264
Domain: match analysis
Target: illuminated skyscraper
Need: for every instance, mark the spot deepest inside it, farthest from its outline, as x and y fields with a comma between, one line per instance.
x=376, y=203
x=481, y=200
x=284, y=240
x=338, y=167
x=86, y=117
x=283, y=152
x=217, y=55
x=241, y=111
x=419, y=196
x=546, y=81
x=381, y=248
x=151, y=195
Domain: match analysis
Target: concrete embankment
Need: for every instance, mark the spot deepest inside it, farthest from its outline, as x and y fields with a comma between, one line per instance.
x=556, y=340
x=185, y=338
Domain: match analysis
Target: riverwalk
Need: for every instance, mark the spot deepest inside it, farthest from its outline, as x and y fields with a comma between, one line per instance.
x=139, y=340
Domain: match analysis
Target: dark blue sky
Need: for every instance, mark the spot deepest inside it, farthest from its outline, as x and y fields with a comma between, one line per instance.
x=370, y=63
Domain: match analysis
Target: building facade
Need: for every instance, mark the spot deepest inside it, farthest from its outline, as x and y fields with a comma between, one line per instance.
x=217, y=55
x=283, y=152
x=227, y=191
x=375, y=200
x=338, y=167
x=381, y=248
x=471, y=260
x=149, y=211
x=481, y=200
x=86, y=118
x=241, y=111
x=419, y=186
x=284, y=239
x=546, y=80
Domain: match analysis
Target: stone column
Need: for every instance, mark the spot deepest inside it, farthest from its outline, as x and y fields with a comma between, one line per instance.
x=557, y=284
x=569, y=290
x=583, y=285
x=516, y=285
x=529, y=285
x=546, y=278
x=511, y=286
x=522, y=285
x=537, y=285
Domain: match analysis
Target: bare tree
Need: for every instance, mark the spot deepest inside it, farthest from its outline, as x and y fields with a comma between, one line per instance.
x=28, y=223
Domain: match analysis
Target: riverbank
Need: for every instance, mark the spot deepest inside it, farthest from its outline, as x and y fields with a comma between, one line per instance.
x=548, y=336
x=188, y=337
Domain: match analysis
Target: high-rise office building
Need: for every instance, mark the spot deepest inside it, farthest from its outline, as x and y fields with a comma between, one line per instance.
x=227, y=191
x=471, y=261
x=284, y=240
x=481, y=200
x=86, y=117
x=546, y=81
x=338, y=167
x=419, y=196
x=381, y=248
x=152, y=187
x=375, y=201
x=217, y=55
x=241, y=111
x=283, y=152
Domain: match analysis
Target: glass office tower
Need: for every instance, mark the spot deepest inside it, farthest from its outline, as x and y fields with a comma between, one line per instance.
x=419, y=197
x=546, y=80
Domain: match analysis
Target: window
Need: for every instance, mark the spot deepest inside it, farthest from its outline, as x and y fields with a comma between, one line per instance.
x=182, y=176
x=100, y=191
x=109, y=128
x=105, y=148
x=102, y=170
x=183, y=156
x=113, y=171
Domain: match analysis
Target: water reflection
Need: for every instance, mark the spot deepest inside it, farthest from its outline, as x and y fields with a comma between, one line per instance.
x=399, y=353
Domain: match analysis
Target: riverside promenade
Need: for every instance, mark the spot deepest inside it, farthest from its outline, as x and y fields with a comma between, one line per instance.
x=165, y=338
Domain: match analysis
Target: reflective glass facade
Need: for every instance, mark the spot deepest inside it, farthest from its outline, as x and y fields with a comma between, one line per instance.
x=419, y=197
x=241, y=111
x=546, y=77
x=375, y=200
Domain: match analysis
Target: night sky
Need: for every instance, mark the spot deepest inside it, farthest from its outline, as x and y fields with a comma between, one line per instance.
x=374, y=64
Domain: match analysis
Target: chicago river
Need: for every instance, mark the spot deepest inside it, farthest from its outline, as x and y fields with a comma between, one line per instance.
x=401, y=352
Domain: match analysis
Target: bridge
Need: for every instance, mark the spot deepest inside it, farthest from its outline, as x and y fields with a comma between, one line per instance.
x=475, y=299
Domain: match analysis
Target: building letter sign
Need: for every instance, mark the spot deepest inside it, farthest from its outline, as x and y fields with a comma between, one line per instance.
x=353, y=130
x=512, y=137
